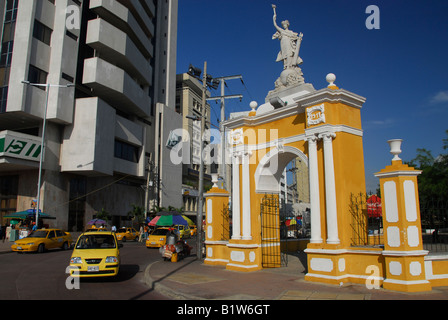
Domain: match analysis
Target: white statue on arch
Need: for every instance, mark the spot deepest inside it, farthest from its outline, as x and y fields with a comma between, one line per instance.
x=290, y=42
x=291, y=75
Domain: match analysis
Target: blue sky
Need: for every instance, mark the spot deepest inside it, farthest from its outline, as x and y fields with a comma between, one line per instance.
x=402, y=68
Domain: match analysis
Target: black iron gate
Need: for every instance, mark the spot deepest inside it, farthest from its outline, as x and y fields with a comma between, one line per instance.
x=270, y=233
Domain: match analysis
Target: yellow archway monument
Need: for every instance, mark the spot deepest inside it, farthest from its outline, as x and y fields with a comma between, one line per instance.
x=323, y=128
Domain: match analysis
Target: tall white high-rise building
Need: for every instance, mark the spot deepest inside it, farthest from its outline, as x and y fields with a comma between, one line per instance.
x=100, y=134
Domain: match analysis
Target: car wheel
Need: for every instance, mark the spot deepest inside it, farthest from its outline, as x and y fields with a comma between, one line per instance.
x=124, y=239
x=41, y=248
x=64, y=246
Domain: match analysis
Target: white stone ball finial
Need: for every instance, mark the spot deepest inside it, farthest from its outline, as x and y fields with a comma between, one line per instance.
x=331, y=78
x=253, y=105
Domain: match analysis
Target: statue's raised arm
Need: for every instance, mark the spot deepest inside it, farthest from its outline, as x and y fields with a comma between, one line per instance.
x=275, y=19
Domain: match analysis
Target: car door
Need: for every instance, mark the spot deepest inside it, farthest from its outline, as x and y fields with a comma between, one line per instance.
x=60, y=238
x=51, y=240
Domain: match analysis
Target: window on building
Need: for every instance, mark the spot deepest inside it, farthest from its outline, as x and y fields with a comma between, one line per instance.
x=36, y=75
x=6, y=49
x=42, y=32
x=126, y=151
x=6, y=55
x=3, y=99
x=11, y=10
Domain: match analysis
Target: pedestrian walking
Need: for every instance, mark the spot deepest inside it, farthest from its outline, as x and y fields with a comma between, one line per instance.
x=140, y=234
x=146, y=232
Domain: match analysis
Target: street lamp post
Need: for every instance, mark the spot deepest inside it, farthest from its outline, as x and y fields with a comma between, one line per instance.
x=47, y=88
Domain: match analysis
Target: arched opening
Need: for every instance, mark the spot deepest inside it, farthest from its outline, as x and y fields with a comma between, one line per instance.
x=282, y=176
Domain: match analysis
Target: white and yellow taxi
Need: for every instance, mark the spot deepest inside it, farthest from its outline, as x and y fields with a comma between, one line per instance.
x=96, y=254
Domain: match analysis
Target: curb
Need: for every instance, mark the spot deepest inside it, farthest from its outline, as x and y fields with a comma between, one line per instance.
x=164, y=290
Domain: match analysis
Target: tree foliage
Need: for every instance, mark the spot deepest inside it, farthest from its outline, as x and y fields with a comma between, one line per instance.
x=137, y=212
x=433, y=182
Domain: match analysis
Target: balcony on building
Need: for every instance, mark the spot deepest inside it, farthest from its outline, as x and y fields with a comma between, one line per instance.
x=114, y=46
x=120, y=17
x=113, y=85
x=100, y=142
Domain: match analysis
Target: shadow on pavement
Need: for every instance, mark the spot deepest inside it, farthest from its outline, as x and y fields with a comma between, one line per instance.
x=163, y=278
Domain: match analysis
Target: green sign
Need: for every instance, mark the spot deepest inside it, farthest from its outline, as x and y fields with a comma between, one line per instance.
x=19, y=147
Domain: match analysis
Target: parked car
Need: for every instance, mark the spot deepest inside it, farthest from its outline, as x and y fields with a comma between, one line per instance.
x=96, y=254
x=157, y=238
x=43, y=239
x=184, y=231
x=128, y=233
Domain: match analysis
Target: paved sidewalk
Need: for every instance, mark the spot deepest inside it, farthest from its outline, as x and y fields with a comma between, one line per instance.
x=190, y=279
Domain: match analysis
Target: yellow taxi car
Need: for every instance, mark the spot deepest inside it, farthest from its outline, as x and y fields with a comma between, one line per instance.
x=157, y=238
x=43, y=239
x=96, y=254
x=184, y=231
x=125, y=234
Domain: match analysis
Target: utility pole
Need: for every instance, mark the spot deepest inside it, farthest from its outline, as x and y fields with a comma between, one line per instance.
x=201, y=166
x=222, y=97
x=207, y=80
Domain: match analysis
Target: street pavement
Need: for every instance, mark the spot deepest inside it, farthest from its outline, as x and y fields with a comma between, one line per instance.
x=5, y=247
x=190, y=279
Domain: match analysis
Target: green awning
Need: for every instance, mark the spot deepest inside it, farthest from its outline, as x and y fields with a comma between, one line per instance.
x=30, y=213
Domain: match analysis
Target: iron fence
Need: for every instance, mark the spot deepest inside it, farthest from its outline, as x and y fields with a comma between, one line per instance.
x=272, y=256
x=225, y=213
x=367, y=223
x=434, y=219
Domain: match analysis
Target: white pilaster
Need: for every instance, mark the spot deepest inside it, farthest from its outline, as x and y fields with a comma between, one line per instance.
x=236, y=231
x=246, y=197
x=316, y=233
x=330, y=188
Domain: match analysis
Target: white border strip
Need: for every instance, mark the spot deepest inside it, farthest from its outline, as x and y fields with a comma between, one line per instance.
x=243, y=266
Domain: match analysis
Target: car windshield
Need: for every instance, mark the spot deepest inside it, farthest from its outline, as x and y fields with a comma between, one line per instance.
x=38, y=234
x=96, y=241
x=121, y=230
x=160, y=232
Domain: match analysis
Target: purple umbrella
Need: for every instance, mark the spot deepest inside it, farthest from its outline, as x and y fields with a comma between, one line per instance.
x=95, y=221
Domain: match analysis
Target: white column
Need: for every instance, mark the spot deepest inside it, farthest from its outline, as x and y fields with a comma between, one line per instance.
x=246, y=197
x=316, y=233
x=330, y=189
x=236, y=231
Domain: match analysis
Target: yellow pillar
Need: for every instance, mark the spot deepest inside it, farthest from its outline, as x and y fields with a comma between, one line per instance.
x=217, y=226
x=403, y=248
